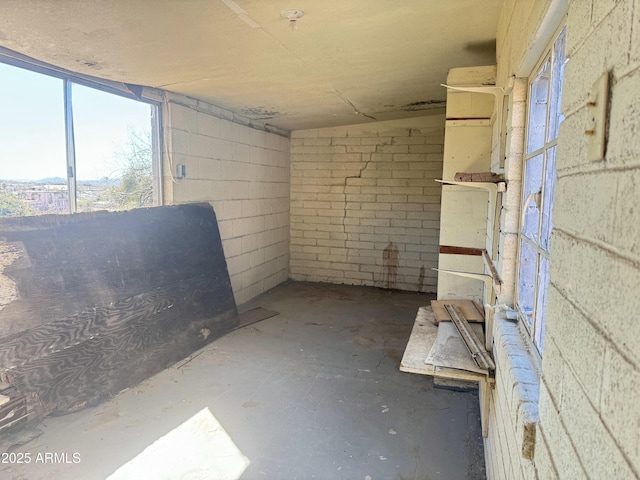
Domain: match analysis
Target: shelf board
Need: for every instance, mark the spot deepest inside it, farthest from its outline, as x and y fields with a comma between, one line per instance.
x=488, y=186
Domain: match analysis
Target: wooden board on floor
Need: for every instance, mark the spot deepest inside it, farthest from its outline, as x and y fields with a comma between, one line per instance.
x=468, y=307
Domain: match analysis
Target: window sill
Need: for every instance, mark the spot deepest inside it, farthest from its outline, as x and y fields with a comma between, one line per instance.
x=517, y=381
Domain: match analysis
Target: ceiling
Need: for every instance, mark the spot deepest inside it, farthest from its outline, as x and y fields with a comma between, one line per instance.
x=348, y=61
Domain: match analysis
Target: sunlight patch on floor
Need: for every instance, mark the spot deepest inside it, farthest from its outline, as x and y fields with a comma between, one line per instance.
x=199, y=448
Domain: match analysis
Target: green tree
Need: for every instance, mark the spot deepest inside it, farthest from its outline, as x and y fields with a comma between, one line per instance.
x=134, y=169
x=10, y=206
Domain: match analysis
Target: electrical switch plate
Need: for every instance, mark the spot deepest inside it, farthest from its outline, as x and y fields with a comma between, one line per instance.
x=597, y=118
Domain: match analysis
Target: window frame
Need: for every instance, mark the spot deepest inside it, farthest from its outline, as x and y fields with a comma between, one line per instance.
x=69, y=78
x=535, y=328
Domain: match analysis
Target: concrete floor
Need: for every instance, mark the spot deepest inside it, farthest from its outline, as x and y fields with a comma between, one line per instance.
x=314, y=392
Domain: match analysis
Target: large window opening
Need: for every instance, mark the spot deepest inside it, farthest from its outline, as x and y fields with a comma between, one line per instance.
x=67, y=147
x=539, y=173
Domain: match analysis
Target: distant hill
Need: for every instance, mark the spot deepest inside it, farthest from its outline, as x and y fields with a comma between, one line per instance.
x=53, y=181
x=63, y=181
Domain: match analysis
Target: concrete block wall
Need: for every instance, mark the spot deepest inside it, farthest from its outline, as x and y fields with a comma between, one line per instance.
x=244, y=173
x=592, y=356
x=365, y=209
x=578, y=396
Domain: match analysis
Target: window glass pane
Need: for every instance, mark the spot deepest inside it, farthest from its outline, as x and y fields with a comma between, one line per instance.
x=547, y=198
x=541, y=302
x=559, y=61
x=113, y=151
x=539, y=177
x=532, y=197
x=527, y=280
x=33, y=173
x=538, y=99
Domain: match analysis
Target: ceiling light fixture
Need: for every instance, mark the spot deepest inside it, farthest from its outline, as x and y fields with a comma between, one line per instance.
x=292, y=14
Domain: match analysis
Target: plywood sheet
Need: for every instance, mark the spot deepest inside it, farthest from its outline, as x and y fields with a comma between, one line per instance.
x=423, y=336
x=421, y=342
x=105, y=300
x=467, y=307
x=12, y=409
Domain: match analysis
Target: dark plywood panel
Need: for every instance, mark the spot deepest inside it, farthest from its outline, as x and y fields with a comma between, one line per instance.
x=13, y=409
x=105, y=300
x=76, y=262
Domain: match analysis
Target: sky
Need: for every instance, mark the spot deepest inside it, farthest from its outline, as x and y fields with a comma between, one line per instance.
x=32, y=134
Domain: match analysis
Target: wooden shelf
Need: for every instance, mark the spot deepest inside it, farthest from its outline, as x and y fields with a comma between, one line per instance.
x=493, y=189
x=422, y=339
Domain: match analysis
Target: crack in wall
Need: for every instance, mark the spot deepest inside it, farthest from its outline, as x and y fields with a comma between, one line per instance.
x=344, y=195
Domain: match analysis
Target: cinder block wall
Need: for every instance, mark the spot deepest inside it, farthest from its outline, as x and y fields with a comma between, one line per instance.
x=244, y=173
x=591, y=349
x=365, y=208
x=582, y=414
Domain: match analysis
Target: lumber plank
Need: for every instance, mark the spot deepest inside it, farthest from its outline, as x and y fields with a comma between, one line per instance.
x=422, y=338
x=452, y=250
